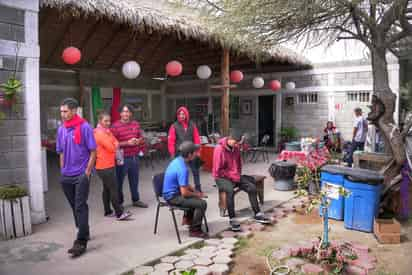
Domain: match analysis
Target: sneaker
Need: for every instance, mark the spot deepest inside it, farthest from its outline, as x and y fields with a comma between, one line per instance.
x=140, y=204
x=124, y=216
x=234, y=225
x=198, y=234
x=78, y=248
x=110, y=215
x=260, y=218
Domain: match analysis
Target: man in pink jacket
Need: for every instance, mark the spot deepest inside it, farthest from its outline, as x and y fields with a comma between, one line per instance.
x=227, y=168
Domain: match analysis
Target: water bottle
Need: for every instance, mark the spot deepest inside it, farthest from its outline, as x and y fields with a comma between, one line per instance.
x=119, y=157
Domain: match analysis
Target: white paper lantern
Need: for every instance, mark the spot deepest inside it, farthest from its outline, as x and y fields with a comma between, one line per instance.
x=131, y=69
x=203, y=72
x=290, y=85
x=258, y=82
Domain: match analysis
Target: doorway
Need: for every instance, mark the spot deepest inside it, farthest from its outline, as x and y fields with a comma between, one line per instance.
x=266, y=118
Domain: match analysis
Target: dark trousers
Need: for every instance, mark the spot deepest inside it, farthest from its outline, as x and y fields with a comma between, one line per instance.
x=354, y=147
x=246, y=185
x=131, y=168
x=194, y=166
x=197, y=209
x=110, y=192
x=76, y=190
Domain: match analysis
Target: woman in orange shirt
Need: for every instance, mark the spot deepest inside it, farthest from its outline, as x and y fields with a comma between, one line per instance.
x=105, y=166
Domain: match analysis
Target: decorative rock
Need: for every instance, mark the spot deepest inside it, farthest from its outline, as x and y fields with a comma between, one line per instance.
x=188, y=257
x=207, y=254
x=203, y=261
x=163, y=267
x=225, y=252
x=219, y=269
x=230, y=240
x=226, y=246
x=295, y=263
x=219, y=259
x=170, y=259
x=143, y=270
x=191, y=251
x=228, y=234
x=257, y=227
x=202, y=270
x=312, y=269
x=213, y=242
x=184, y=265
x=245, y=234
x=209, y=249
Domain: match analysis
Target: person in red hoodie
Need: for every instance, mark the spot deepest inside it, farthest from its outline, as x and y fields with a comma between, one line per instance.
x=227, y=168
x=185, y=130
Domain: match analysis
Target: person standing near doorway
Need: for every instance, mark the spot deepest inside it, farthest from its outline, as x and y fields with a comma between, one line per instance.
x=360, y=129
x=127, y=132
x=76, y=147
x=185, y=130
x=107, y=145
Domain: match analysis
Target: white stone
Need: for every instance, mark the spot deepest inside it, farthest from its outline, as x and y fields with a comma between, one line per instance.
x=143, y=270
x=230, y=240
x=207, y=254
x=203, y=261
x=222, y=260
x=188, y=257
x=170, y=259
x=213, y=242
x=202, y=270
x=191, y=251
x=219, y=269
x=210, y=249
x=226, y=246
x=184, y=265
x=225, y=252
x=163, y=267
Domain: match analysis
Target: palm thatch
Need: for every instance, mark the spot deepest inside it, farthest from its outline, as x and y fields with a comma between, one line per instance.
x=158, y=16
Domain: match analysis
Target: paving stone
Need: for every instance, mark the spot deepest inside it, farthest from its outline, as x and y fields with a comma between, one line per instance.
x=245, y=227
x=161, y=273
x=203, y=261
x=184, y=264
x=364, y=263
x=209, y=249
x=228, y=234
x=226, y=246
x=354, y=270
x=170, y=259
x=295, y=263
x=230, y=240
x=312, y=269
x=360, y=247
x=191, y=251
x=188, y=257
x=219, y=259
x=213, y=242
x=226, y=252
x=256, y=227
x=219, y=269
x=202, y=270
x=163, y=267
x=143, y=270
x=245, y=234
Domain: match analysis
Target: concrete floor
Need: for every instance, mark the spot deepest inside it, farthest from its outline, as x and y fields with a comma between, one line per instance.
x=115, y=246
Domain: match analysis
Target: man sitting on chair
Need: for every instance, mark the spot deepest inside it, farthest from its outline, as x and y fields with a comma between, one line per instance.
x=227, y=168
x=178, y=192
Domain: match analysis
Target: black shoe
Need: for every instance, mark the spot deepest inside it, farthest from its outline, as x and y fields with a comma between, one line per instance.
x=234, y=225
x=78, y=248
x=260, y=218
x=140, y=204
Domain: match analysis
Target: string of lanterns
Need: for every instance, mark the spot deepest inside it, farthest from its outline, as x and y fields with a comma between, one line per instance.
x=131, y=70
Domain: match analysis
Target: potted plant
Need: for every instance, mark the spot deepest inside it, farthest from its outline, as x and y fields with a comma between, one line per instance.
x=288, y=134
x=14, y=211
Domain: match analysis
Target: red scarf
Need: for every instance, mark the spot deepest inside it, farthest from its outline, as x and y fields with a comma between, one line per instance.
x=75, y=122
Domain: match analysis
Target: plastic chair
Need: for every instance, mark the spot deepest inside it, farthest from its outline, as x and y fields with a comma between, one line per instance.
x=157, y=182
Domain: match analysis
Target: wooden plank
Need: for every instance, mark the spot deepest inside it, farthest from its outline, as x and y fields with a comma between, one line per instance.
x=7, y=222
x=226, y=93
x=25, y=204
x=17, y=217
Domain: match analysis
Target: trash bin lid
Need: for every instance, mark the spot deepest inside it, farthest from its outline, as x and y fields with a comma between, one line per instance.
x=355, y=174
x=284, y=163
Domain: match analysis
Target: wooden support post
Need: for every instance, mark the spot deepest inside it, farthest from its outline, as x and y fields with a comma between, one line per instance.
x=224, y=121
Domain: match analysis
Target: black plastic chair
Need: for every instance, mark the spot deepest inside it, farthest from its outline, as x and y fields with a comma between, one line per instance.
x=157, y=182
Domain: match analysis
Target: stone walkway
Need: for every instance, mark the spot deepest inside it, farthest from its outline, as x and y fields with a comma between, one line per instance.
x=116, y=247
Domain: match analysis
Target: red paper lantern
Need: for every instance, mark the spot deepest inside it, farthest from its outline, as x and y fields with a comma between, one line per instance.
x=274, y=85
x=174, y=68
x=236, y=76
x=71, y=55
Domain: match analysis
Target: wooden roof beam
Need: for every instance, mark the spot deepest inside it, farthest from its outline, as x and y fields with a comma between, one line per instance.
x=99, y=52
x=60, y=40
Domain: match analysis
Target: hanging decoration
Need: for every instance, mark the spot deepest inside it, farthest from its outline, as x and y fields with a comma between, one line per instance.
x=236, y=76
x=274, y=85
x=203, y=72
x=290, y=85
x=131, y=69
x=71, y=55
x=258, y=82
x=174, y=68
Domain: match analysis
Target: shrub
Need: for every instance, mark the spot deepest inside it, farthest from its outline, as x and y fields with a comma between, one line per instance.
x=10, y=192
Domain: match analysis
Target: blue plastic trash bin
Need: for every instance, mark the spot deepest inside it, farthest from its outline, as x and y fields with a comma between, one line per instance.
x=362, y=205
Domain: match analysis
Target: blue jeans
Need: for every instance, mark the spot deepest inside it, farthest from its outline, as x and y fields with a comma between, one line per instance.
x=76, y=190
x=131, y=168
x=354, y=147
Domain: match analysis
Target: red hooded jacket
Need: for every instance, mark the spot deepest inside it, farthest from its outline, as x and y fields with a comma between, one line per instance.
x=171, y=139
x=227, y=162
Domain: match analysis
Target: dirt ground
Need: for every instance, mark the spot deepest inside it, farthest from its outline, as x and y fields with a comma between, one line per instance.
x=250, y=258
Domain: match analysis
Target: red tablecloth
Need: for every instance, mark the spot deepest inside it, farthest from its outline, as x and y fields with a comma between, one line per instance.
x=206, y=155
x=312, y=159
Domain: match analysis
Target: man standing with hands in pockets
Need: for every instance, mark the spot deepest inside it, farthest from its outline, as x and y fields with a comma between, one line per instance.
x=127, y=132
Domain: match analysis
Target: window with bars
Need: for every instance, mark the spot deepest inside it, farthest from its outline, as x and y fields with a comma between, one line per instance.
x=308, y=98
x=361, y=96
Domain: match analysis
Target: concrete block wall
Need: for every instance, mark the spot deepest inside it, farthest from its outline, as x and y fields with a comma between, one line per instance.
x=11, y=24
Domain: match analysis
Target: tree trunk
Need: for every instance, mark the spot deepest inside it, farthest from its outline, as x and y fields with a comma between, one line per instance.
x=381, y=115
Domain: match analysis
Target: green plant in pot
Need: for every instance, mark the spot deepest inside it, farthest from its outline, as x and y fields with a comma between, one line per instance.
x=12, y=191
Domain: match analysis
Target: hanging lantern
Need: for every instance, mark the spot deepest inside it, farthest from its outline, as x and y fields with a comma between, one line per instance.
x=174, y=68
x=290, y=85
x=236, y=76
x=71, y=55
x=203, y=72
x=258, y=82
x=131, y=69
x=274, y=85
